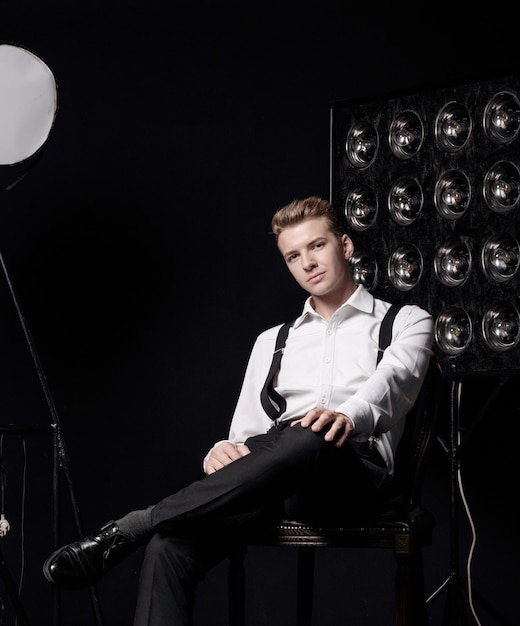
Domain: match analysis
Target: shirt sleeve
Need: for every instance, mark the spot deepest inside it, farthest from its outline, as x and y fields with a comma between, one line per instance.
x=390, y=392
x=249, y=418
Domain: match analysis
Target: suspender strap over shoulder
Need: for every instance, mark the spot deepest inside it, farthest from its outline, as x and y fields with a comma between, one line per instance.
x=272, y=402
x=385, y=339
x=385, y=332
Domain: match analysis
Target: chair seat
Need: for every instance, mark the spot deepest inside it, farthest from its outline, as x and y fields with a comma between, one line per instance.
x=405, y=532
x=384, y=531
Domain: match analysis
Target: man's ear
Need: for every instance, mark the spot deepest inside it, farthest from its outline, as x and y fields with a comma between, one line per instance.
x=348, y=246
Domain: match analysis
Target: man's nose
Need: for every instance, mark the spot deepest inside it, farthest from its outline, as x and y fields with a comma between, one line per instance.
x=308, y=261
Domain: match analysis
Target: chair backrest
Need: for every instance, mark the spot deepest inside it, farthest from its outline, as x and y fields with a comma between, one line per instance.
x=413, y=449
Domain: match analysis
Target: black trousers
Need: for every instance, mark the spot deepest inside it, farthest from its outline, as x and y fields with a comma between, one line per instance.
x=291, y=472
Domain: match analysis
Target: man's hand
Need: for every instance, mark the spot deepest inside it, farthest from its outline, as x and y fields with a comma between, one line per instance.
x=318, y=418
x=223, y=454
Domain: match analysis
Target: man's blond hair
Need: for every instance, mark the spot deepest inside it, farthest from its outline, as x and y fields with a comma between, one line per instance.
x=299, y=210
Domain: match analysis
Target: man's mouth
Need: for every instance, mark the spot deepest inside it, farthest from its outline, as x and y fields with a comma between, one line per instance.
x=316, y=277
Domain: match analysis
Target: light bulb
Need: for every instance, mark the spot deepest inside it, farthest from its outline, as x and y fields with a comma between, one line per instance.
x=501, y=187
x=405, y=201
x=452, y=194
x=501, y=326
x=362, y=144
x=500, y=257
x=405, y=267
x=453, y=127
x=453, y=262
x=502, y=118
x=453, y=330
x=364, y=269
x=406, y=135
x=361, y=207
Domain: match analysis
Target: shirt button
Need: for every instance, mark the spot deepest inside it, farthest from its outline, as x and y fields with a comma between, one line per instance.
x=323, y=400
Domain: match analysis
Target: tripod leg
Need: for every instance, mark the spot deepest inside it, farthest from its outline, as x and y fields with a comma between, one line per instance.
x=13, y=593
x=61, y=461
x=455, y=610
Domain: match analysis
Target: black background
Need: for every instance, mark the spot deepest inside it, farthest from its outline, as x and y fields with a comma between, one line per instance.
x=139, y=250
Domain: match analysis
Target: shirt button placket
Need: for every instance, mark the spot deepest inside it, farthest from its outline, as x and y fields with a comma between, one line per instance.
x=326, y=378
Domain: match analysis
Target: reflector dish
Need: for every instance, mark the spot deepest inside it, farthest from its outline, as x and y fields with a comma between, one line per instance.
x=28, y=103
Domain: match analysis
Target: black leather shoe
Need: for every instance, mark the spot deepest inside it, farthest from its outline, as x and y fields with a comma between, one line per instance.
x=83, y=563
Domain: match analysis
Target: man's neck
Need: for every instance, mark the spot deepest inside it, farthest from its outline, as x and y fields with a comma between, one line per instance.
x=327, y=306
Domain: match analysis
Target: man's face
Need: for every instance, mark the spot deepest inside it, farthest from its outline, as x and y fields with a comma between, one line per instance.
x=317, y=258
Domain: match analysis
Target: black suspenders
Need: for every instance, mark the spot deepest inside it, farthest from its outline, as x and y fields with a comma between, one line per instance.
x=385, y=332
x=272, y=402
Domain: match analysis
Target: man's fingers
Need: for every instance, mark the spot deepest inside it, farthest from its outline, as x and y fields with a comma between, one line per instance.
x=243, y=450
x=224, y=454
x=310, y=418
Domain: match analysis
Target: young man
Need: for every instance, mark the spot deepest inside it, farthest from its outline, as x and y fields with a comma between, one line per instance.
x=318, y=440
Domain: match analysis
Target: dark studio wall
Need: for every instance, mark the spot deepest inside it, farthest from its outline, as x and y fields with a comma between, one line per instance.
x=139, y=249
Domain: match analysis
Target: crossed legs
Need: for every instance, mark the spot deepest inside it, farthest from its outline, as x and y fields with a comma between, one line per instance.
x=198, y=526
x=191, y=530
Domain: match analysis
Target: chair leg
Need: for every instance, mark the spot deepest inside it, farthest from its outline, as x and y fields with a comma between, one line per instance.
x=305, y=586
x=236, y=588
x=410, y=594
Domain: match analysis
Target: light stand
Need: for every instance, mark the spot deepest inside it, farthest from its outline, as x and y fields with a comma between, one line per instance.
x=454, y=612
x=455, y=585
x=60, y=464
x=27, y=110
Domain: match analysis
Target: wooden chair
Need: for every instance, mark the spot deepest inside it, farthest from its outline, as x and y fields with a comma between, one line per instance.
x=405, y=527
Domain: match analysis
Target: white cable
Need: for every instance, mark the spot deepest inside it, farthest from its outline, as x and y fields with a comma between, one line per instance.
x=472, y=526
x=472, y=548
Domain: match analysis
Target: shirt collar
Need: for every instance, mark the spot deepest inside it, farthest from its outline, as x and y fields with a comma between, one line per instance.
x=361, y=299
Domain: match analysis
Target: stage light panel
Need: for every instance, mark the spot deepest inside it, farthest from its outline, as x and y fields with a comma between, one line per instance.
x=428, y=186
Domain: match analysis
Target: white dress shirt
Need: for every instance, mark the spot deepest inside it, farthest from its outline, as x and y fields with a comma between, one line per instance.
x=333, y=365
